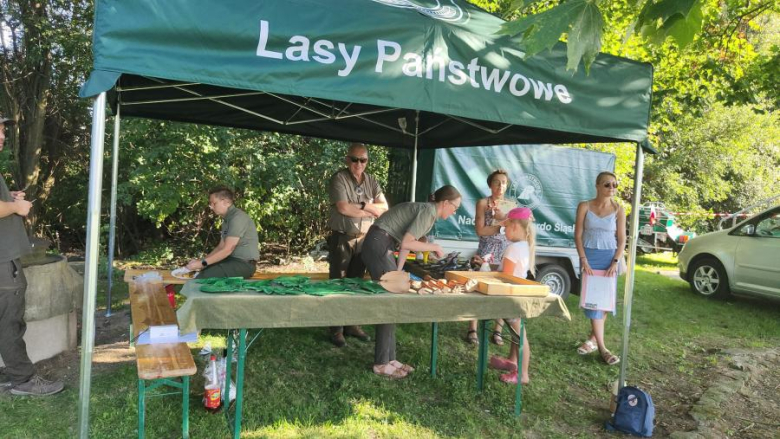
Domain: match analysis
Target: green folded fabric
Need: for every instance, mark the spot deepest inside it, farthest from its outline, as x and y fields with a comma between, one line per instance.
x=290, y=285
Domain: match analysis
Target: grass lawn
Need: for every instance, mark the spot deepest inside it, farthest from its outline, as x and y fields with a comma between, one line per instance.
x=299, y=385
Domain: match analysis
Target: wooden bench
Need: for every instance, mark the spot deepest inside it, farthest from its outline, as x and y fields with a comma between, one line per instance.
x=158, y=363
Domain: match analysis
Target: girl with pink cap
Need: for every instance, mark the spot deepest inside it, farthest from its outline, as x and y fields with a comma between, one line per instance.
x=518, y=260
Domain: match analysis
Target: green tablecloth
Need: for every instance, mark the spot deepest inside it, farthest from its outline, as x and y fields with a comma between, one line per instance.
x=252, y=310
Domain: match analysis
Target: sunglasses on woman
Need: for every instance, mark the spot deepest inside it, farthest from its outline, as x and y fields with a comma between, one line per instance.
x=612, y=185
x=358, y=159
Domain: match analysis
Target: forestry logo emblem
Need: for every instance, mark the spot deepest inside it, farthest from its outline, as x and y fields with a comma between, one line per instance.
x=527, y=190
x=433, y=8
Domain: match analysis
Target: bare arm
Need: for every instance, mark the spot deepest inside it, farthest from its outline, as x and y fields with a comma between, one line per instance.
x=17, y=207
x=402, y=254
x=579, y=225
x=411, y=244
x=509, y=266
x=621, y=232
x=378, y=207
x=621, y=241
x=479, y=221
x=352, y=210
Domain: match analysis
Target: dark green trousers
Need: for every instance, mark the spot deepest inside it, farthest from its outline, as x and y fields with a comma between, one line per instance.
x=229, y=267
x=18, y=367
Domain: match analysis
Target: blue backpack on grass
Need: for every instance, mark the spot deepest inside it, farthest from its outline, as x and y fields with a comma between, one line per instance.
x=635, y=413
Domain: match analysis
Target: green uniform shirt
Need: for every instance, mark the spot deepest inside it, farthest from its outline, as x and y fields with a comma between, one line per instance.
x=415, y=219
x=13, y=237
x=240, y=225
x=344, y=187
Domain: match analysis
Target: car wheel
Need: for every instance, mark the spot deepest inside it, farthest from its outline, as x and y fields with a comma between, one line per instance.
x=708, y=278
x=556, y=277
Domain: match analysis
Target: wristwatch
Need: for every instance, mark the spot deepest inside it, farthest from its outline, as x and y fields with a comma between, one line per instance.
x=362, y=205
x=615, y=261
x=204, y=262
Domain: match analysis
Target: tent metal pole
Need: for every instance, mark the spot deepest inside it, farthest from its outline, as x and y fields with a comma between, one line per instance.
x=92, y=256
x=630, y=272
x=112, y=226
x=414, y=154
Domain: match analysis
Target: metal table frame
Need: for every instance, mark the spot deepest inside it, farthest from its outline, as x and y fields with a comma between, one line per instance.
x=238, y=338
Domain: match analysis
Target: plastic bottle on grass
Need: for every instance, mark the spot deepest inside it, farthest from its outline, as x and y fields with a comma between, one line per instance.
x=212, y=399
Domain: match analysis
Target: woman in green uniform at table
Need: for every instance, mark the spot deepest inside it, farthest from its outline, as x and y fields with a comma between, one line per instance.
x=402, y=227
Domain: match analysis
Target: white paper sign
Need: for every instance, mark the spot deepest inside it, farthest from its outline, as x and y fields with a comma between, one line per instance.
x=598, y=291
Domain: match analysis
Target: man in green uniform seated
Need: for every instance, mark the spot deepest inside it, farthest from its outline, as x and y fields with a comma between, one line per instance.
x=237, y=254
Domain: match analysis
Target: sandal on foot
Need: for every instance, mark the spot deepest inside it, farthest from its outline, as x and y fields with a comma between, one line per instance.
x=471, y=337
x=610, y=358
x=404, y=367
x=497, y=339
x=502, y=364
x=587, y=347
x=387, y=370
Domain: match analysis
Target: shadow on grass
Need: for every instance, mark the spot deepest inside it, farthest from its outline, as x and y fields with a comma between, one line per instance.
x=299, y=385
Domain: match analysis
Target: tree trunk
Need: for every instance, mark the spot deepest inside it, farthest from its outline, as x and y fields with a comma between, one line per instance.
x=26, y=72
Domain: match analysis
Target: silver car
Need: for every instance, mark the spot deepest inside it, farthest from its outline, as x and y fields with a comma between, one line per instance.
x=743, y=259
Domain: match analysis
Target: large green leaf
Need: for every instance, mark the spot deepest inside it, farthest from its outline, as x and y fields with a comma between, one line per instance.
x=543, y=30
x=585, y=37
x=681, y=21
x=683, y=30
x=666, y=9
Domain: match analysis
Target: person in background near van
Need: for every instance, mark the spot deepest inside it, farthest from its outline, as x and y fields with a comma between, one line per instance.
x=19, y=370
x=600, y=237
x=236, y=254
x=518, y=259
x=402, y=226
x=356, y=199
x=492, y=243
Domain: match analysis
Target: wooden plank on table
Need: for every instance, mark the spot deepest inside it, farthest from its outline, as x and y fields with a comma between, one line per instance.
x=167, y=278
x=500, y=284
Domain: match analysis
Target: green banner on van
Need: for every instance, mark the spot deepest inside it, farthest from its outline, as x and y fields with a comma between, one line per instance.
x=548, y=179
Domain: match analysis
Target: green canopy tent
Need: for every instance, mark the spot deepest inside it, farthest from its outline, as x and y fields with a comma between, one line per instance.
x=400, y=73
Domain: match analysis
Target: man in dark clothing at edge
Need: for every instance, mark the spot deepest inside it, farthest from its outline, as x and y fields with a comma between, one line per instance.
x=355, y=201
x=19, y=370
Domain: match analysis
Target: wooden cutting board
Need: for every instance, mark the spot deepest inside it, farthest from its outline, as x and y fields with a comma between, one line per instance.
x=494, y=283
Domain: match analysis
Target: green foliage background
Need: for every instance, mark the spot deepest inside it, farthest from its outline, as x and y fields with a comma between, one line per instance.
x=714, y=124
x=167, y=168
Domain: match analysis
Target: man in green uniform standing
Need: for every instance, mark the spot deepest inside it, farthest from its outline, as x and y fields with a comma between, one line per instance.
x=355, y=201
x=19, y=370
x=237, y=254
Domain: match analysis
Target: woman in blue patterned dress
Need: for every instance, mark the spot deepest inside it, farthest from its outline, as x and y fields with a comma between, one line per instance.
x=492, y=243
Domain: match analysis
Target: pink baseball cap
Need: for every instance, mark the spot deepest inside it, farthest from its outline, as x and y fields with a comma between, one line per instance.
x=519, y=213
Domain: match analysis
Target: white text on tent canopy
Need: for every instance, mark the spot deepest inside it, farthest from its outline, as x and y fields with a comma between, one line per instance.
x=437, y=66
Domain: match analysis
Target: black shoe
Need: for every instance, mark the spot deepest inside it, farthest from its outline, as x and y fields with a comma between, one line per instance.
x=357, y=332
x=338, y=339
